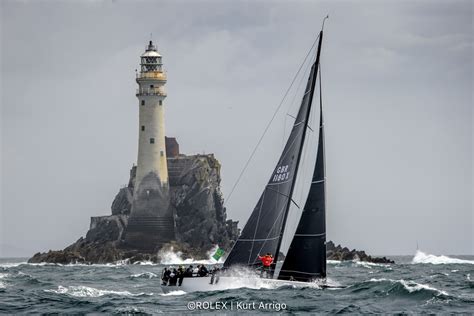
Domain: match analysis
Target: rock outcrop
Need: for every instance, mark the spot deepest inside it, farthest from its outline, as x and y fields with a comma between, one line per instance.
x=334, y=252
x=199, y=213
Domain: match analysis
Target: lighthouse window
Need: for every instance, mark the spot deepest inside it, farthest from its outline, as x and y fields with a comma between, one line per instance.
x=160, y=102
x=152, y=140
x=143, y=102
x=151, y=86
x=143, y=127
x=162, y=153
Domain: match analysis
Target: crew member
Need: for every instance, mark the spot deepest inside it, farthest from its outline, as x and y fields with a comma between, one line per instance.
x=202, y=271
x=189, y=272
x=180, y=275
x=165, y=276
x=267, y=261
x=173, y=278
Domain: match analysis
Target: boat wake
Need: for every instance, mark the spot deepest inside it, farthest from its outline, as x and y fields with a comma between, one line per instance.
x=421, y=257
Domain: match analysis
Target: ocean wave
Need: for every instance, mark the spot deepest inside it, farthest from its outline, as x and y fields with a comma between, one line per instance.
x=333, y=261
x=85, y=291
x=3, y=276
x=421, y=257
x=173, y=293
x=369, y=265
x=145, y=263
x=411, y=286
x=11, y=264
x=144, y=275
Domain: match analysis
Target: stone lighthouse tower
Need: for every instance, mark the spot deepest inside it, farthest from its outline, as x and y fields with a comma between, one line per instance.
x=151, y=99
x=151, y=222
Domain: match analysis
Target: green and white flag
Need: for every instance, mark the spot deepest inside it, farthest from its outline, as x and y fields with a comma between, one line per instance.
x=218, y=254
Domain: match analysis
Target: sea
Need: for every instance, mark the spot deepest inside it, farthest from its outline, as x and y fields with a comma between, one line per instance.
x=421, y=283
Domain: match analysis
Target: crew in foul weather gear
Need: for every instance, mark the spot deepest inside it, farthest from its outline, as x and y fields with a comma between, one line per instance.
x=267, y=261
x=165, y=276
x=180, y=275
x=189, y=272
x=215, y=276
x=202, y=272
x=173, y=278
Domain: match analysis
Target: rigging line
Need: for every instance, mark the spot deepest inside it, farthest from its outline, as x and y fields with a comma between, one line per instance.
x=256, y=225
x=284, y=196
x=297, y=91
x=268, y=125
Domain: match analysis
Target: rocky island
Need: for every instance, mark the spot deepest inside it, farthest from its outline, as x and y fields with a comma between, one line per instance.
x=200, y=220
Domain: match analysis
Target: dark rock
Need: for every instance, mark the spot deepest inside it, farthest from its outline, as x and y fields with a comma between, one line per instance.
x=122, y=204
x=61, y=257
x=344, y=254
x=199, y=213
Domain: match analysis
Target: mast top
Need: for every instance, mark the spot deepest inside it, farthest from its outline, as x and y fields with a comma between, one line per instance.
x=324, y=20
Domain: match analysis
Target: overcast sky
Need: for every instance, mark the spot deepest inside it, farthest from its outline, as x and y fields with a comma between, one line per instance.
x=397, y=89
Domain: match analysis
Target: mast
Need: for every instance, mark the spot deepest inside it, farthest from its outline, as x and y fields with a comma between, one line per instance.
x=309, y=240
x=306, y=120
x=265, y=227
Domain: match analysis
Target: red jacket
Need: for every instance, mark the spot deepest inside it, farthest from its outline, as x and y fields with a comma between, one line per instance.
x=266, y=260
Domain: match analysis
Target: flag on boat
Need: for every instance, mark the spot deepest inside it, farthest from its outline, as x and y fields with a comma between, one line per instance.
x=218, y=254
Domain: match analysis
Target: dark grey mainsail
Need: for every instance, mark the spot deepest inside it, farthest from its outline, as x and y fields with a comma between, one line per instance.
x=306, y=257
x=264, y=229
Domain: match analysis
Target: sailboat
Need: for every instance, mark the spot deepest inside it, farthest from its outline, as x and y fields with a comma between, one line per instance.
x=299, y=254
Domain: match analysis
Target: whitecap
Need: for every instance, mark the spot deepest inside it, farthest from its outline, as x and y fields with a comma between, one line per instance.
x=12, y=264
x=145, y=263
x=2, y=284
x=421, y=257
x=333, y=261
x=85, y=291
x=411, y=286
x=369, y=265
x=146, y=275
x=172, y=293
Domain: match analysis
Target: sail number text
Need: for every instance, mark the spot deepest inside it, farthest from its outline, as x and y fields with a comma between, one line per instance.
x=281, y=174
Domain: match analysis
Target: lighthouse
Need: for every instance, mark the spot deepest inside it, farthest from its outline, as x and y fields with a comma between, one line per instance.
x=151, y=221
x=151, y=103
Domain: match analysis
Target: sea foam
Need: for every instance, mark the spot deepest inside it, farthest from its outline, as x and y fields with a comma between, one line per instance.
x=176, y=258
x=412, y=286
x=144, y=275
x=421, y=257
x=173, y=293
x=2, y=284
x=85, y=291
